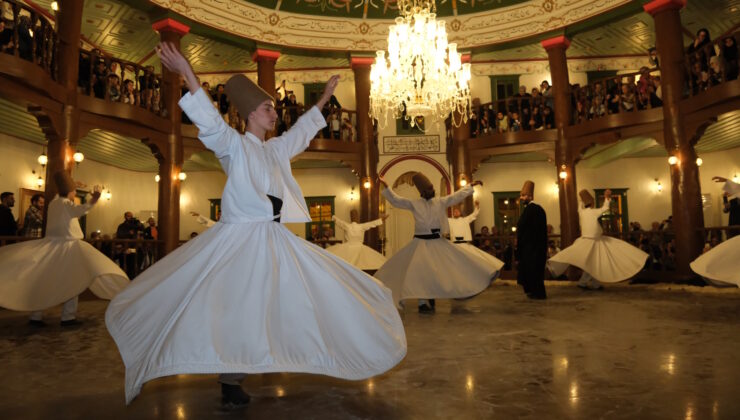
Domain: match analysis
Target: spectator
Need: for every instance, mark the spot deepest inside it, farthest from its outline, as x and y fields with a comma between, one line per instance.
x=502, y=122
x=128, y=95
x=8, y=225
x=83, y=78
x=546, y=92
x=612, y=96
x=130, y=228
x=155, y=101
x=291, y=110
x=627, y=99
x=6, y=37
x=33, y=222
x=151, y=231
x=348, y=131
x=114, y=87
x=148, y=84
x=730, y=56
x=653, y=56
x=697, y=50
x=222, y=99
x=193, y=234
x=515, y=124
x=535, y=120
x=733, y=208
x=537, y=100
x=25, y=38
x=484, y=125
x=473, y=123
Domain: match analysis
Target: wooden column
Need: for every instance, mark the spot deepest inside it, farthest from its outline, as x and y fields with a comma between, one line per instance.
x=686, y=202
x=459, y=156
x=369, y=197
x=569, y=229
x=266, y=60
x=170, y=163
x=62, y=144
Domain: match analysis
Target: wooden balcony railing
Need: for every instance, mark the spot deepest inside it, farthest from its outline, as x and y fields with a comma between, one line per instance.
x=712, y=64
x=518, y=113
x=29, y=35
x=117, y=80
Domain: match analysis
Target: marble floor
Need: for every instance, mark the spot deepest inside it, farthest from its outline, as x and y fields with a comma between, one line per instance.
x=628, y=352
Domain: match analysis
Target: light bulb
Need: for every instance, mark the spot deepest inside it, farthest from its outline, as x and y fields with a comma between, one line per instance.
x=699, y=161
x=156, y=178
x=736, y=179
x=463, y=182
x=107, y=195
x=78, y=157
x=182, y=176
x=658, y=185
x=672, y=160
x=43, y=159
x=563, y=174
x=40, y=182
x=367, y=184
x=55, y=6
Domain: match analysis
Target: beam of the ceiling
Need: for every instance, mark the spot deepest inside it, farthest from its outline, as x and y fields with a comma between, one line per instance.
x=616, y=151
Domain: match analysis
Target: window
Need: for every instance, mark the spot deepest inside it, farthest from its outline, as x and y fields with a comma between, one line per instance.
x=215, y=208
x=506, y=211
x=503, y=87
x=616, y=220
x=321, y=210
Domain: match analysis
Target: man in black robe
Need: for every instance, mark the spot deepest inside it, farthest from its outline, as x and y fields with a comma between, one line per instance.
x=531, y=249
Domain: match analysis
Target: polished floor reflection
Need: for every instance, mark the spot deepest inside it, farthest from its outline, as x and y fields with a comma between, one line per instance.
x=629, y=352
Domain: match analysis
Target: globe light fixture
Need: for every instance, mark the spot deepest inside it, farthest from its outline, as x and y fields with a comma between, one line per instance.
x=367, y=184
x=699, y=161
x=42, y=159
x=40, y=182
x=421, y=75
x=182, y=176
x=78, y=157
x=672, y=160
x=156, y=178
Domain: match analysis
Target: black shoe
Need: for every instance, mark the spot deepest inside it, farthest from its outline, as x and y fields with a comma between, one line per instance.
x=36, y=323
x=426, y=309
x=433, y=303
x=536, y=296
x=233, y=396
x=71, y=323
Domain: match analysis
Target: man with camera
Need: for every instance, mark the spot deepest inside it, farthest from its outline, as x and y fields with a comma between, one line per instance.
x=131, y=256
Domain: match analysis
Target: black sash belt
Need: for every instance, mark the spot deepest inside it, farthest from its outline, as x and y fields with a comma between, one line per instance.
x=277, y=205
x=433, y=235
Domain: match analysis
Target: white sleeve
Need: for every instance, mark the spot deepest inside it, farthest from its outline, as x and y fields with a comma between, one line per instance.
x=457, y=196
x=205, y=221
x=472, y=216
x=299, y=136
x=339, y=222
x=731, y=188
x=396, y=200
x=212, y=129
x=77, y=210
x=371, y=224
x=605, y=206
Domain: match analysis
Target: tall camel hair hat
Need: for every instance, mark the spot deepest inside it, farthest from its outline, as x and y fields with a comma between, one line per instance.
x=245, y=94
x=421, y=182
x=586, y=197
x=528, y=188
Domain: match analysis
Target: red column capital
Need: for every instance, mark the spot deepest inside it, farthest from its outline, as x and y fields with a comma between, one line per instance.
x=356, y=62
x=261, y=54
x=171, y=25
x=561, y=41
x=657, y=6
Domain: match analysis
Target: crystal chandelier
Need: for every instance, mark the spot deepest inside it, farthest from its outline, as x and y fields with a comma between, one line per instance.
x=421, y=74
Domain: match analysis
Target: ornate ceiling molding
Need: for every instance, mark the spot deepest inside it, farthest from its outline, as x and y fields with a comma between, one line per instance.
x=312, y=32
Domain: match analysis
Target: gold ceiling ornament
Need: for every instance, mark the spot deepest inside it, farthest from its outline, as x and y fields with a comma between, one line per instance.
x=421, y=72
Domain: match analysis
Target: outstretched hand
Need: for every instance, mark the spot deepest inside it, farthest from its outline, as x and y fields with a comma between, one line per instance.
x=719, y=179
x=474, y=183
x=608, y=194
x=175, y=62
x=195, y=214
x=331, y=86
x=382, y=181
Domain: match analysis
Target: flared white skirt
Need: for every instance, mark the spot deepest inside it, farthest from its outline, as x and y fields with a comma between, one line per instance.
x=434, y=268
x=254, y=298
x=721, y=263
x=492, y=262
x=38, y=274
x=359, y=255
x=606, y=259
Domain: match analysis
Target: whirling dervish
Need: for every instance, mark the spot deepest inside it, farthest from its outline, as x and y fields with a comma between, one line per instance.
x=248, y=295
x=461, y=236
x=42, y=273
x=722, y=263
x=431, y=267
x=602, y=258
x=353, y=250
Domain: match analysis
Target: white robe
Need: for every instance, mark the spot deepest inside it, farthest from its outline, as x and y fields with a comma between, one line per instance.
x=38, y=274
x=721, y=263
x=605, y=258
x=248, y=295
x=432, y=268
x=460, y=228
x=205, y=221
x=353, y=250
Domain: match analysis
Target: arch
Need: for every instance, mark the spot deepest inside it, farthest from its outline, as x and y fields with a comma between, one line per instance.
x=395, y=161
